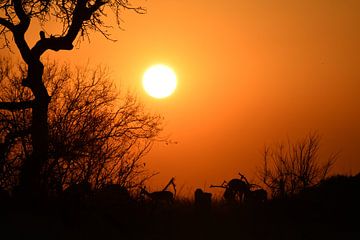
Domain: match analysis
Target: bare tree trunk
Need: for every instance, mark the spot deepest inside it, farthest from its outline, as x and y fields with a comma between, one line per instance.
x=31, y=174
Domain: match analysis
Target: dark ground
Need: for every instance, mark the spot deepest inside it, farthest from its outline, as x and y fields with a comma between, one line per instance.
x=329, y=211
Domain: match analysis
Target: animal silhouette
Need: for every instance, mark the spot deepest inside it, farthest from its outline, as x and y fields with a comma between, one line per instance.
x=256, y=196
x=158, y=197
x=235, y=189
x=202, y=199
x=172, y=183
x=77, y=192
x=113, y=194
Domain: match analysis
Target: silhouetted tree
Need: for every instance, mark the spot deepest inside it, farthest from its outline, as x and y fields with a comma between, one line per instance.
x=78, y=18
x=96, y=134
x=292, y=167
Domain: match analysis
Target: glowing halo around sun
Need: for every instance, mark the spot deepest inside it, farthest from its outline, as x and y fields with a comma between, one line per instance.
x=159, y=81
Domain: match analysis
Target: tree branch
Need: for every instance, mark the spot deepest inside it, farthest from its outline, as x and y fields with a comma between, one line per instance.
x=52, y=43
x=7, y=24
x=20, y=11
x=15, y=106
x=81, y=14
x=20, y=29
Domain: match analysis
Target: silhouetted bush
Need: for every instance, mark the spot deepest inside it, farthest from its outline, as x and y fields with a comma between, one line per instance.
x=289, y=168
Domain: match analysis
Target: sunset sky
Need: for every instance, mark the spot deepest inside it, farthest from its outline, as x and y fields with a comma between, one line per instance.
x=250, y=73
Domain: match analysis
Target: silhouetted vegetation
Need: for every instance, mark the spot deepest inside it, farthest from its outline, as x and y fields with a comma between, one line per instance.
x=96, y=134
x=294, y=166
x=77, y=20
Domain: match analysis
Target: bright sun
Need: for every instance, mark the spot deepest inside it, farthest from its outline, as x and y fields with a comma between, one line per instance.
x=159, y=81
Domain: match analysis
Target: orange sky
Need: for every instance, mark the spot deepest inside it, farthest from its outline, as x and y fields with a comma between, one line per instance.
x=250, y=73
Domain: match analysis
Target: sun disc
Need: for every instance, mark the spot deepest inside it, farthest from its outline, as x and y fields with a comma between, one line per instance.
x=159, y=81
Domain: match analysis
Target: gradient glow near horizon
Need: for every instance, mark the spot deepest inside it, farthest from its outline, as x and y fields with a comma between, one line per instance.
x=252, y=72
